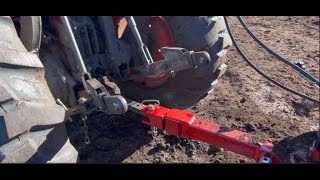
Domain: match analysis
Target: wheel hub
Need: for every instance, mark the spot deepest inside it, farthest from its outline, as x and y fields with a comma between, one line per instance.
x=160, y=34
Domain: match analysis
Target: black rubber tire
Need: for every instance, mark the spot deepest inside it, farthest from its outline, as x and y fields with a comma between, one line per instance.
x=30, y=32
x=32, y=126
x=188, y=87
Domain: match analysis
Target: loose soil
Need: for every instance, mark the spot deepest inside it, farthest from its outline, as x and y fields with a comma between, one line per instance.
x=243, y=100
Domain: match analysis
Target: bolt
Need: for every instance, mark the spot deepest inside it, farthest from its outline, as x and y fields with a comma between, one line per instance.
x=150, y=108
x=82, y=99
x=116, y=105
x=173, y=74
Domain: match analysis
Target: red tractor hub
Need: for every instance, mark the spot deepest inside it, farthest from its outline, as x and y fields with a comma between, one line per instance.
x=159, y=33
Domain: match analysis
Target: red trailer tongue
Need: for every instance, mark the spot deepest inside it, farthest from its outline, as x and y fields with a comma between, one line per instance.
x=186, y=125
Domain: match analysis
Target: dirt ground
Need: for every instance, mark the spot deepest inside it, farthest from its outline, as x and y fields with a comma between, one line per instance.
x=243, y=100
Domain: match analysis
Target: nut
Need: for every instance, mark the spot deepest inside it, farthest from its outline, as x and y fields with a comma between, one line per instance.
x=150, y=108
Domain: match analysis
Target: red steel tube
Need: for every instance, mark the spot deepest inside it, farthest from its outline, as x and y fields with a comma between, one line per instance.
x=183, y=124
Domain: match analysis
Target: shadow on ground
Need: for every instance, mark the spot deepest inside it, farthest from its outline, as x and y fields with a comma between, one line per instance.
x=113, y=138
x=296, y=149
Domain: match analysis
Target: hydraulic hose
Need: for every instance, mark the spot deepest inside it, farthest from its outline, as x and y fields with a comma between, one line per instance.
x=304, y=74
x=262, y=73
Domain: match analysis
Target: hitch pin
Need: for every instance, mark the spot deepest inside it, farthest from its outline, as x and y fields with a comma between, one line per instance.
x=61, y=103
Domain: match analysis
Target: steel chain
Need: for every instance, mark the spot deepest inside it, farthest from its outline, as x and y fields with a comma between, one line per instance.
x=85, y=129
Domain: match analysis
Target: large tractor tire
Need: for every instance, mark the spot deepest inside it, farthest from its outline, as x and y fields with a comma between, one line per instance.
x=186, y=88
x=31, y=123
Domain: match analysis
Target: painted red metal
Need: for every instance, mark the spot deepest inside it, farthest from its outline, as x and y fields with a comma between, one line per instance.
x=315, y=154
x=183, y=124
x=162, y=36
x=120, y=24
x=159, y=33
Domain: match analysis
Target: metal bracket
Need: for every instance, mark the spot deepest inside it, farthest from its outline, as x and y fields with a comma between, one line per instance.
x=176, y=59
x=100, y=99
x=97, y=91
x=104, y=101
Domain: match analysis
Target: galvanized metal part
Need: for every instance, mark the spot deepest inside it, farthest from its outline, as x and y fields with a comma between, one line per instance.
x=143, y=49
x=97, y=91
x=110, y=104
x=85, y=74
x=176, y=59
x=135, y=106
x=100, y=96
x=150, y=104
x=179, y=59
x=157, y=33
x=86, y=106
x=100, y=99
x=150, y=101
x=185, y=88
x=115, y=104
x=65, y=21
x=65, y=108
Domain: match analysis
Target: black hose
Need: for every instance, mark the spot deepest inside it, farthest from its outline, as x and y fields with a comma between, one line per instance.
x=304, y=74
x=263, y=74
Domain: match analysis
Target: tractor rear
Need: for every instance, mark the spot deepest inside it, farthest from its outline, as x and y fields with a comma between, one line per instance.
x=57, y=69
x=54, y=69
